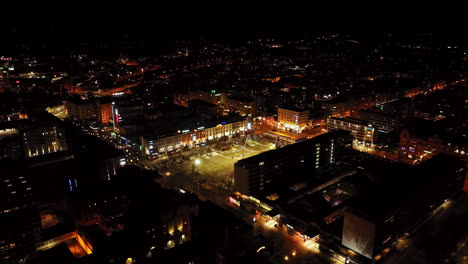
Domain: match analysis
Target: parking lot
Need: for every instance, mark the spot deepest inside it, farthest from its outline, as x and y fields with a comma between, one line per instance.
x=218, y=165
x=215, y=165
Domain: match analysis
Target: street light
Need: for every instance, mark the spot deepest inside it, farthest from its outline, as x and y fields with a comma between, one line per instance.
x=196, y=163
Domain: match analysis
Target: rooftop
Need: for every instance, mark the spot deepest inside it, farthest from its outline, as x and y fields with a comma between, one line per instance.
x=293, y=108
x=394, y=185
x=164, y=127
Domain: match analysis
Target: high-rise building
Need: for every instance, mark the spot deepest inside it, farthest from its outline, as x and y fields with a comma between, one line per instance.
x=80, y=109
x=105, y=113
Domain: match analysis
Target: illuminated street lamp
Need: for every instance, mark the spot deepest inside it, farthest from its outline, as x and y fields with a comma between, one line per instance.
x=195, y=164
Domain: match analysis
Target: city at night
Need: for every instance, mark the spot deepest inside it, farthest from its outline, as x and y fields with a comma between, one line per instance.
x=137, y=135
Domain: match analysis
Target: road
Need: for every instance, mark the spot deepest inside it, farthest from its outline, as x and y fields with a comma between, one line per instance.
x=435, y=241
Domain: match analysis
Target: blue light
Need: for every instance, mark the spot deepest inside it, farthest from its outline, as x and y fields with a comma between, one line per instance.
x=71, y=186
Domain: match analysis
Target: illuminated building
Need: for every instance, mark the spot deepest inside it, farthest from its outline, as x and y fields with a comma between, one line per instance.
x=260, y=173
x=342, y=107
x=362, y=132
x=231, y=104
x=240, y=105
x=384, y=122
x=41, y=139
x=104, y=113
x=338, y=107
x=294, y=119
x=416, y=147
x=25, y=138
x=80, y=109
x=164, y=222
x=209, y=96
x=176, y=138
x=127, y=112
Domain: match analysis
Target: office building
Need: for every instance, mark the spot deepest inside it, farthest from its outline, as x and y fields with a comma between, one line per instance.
x=385, y=123
x=362, y=132
x=80, y=109
x=293, y=118
x=338, y=107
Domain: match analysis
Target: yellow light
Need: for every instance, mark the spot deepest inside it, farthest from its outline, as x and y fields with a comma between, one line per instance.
x=294, y=253
x=197, y=162
x=286, y=258
x=261, y=248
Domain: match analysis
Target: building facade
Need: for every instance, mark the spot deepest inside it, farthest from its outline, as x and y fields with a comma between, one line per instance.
x=414, y=149
x=335, y=108
x=384, y=122
x=81, y=110
x=242, y=106
x=43, y=139
x=105, y=113
x=362, y=132
x=294, y=119
x=188, y=137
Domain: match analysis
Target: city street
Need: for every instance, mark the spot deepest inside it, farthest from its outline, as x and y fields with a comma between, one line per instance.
x=437, y=238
